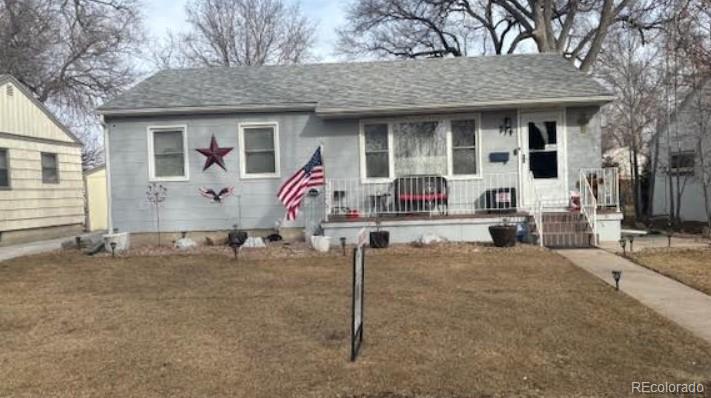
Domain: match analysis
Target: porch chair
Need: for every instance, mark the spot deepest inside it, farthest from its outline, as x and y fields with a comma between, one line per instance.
x=420, y=193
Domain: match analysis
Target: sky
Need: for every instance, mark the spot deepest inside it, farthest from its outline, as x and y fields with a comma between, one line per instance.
x=163, y=15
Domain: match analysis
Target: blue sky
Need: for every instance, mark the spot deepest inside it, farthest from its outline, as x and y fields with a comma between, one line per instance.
x=163, y=15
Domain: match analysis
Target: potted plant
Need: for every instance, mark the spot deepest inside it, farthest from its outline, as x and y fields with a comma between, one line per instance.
x=379, y=239
x=504, y=234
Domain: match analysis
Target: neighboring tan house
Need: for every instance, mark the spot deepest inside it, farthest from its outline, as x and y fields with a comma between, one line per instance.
x=41, y=188
x=679, y=171
x=97, y=213
x=448, y=146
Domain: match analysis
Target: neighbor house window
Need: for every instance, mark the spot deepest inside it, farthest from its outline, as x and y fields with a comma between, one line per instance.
x=4, y=169
x=377, y=150
x=50, y=168
x=464, y=147
x=260, y=150
x=543, y=149
x=682, y=163
x=168, y=157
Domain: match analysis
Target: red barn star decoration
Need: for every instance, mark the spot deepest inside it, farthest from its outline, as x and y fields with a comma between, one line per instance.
x=214, y=154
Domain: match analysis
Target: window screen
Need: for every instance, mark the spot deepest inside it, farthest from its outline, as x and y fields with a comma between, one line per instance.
x=464, y=152
x=377, y=156
x=168, y=153
x=259, y=150
x=50, y=168
x=4, y=169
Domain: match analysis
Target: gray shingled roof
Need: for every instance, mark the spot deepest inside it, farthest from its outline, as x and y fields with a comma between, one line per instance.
x=351, y=87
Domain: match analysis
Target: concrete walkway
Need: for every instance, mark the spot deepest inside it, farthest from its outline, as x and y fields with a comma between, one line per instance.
x=687, y=307
x=26, y=249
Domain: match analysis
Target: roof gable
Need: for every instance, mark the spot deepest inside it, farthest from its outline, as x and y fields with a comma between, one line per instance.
x=364, y=86
x=22, y=114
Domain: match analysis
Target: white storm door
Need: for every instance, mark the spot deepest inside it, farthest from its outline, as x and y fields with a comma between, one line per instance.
x=544, y=156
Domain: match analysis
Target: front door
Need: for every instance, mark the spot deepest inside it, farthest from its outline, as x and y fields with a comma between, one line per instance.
x=543, y=156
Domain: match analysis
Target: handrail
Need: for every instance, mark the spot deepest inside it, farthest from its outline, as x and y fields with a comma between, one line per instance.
x=605, y=183
x=588, y=204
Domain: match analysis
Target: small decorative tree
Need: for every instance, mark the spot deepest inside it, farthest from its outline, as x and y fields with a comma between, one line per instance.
x=156, y=194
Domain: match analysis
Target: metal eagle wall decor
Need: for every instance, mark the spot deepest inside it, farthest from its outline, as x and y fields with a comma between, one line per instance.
x=216, y=197
x=214, y=154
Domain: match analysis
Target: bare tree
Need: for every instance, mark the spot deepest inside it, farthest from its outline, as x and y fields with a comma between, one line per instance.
x=414, y=28
x=71, y=54
x=239, y=32
x=630, y=69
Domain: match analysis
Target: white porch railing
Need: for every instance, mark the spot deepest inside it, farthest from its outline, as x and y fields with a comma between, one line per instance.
x=588, y=204
x=534, y=205
x=422, y=195
x=605, y=185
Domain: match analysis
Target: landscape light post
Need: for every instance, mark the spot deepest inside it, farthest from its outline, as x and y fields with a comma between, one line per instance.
x=113, y=249
x=623, y=243
x=343, y=244
x=617, y=275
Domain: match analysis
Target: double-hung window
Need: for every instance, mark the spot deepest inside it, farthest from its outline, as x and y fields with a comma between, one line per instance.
x=168, y=160
x=259, y=143
x=464, y=147
x=50, y=168
x=377, y=150
x=4, y=169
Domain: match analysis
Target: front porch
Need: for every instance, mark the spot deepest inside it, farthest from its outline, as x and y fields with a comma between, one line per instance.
x=463, y=209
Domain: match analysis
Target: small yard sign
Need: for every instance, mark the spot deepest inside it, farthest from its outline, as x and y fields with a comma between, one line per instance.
x=358, y=290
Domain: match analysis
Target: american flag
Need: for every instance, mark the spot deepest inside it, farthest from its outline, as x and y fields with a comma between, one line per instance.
x=293, y=190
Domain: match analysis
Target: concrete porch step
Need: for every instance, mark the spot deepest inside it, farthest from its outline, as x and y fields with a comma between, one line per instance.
x=564, y=230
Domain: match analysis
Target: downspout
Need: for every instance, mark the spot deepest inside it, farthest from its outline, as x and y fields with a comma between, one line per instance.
x=107, y=165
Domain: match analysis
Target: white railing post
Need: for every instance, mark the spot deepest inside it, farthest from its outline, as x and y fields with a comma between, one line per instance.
x=588, y=204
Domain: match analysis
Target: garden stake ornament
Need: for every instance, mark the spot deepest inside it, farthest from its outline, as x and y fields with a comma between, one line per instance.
x=156, y=194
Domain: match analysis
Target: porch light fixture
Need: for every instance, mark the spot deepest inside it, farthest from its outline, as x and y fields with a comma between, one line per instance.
x=505, y=127
x=113, y=249
x=623, y=243
x=343, y=244
x=617, y=275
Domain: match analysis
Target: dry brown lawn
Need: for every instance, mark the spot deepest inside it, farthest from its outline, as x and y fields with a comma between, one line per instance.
x=441, y=321
x=691, y=267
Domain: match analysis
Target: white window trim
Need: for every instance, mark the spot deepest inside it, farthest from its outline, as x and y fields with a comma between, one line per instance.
x=242, y=157
x=151, y=155
x=446, y=119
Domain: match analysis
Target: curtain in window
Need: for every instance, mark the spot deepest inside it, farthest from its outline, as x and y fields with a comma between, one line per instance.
x=420, y=148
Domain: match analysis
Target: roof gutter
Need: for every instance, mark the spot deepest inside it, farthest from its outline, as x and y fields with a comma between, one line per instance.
x=217, y=109
x=332, y=113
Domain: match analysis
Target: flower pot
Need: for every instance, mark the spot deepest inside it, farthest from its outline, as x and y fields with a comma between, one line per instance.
x=379, y=239
x=321, y=243
x=503, y=235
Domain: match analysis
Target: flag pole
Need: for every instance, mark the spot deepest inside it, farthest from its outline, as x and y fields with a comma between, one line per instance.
x=326, y=199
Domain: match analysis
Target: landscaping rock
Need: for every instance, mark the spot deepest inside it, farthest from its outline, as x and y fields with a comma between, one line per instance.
x=185, y=244
x=254, y=242
x=430, y=238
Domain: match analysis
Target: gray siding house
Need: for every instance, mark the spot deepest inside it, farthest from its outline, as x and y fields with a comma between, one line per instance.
x=448, y=146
